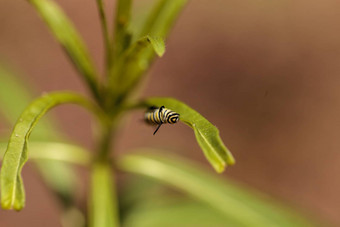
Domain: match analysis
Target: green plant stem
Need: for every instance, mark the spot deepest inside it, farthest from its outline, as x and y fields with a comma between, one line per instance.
x=103, y=202
x=104, y=141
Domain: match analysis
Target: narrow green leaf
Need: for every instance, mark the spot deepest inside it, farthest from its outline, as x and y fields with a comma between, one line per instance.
x=53, y=160
x=103, y=207
x=12, y=190
x=133, y=63
x=240, y=206
x=14, y=97
x=106, y=34
x=207, y=135
x=122, y=36
x=162, y=18
x=146, y=202
x=68, y=37
x=167, y=211
x=55, y=151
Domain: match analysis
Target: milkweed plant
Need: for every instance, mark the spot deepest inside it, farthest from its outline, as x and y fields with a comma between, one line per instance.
x=129, y=52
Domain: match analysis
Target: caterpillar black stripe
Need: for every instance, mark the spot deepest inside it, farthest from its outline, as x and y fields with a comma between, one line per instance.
x=159, y=116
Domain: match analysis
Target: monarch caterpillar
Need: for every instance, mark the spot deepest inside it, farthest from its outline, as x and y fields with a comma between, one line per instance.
x=159, y=116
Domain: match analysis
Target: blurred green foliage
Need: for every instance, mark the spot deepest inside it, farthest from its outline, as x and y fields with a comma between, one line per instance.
x=205, y=200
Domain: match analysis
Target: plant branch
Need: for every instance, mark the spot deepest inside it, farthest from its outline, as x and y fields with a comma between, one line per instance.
x=103, y=202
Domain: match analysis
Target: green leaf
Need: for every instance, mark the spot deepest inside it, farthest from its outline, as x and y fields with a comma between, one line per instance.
x=132, y=64
x=145, y=202
x=68, y=37
x=168, y=211
x=122, y=36
x=12, y=190
x=157, y=44
x=103, y=207
x=106, y=34
x=158, y=24
x=240, y=206
x=162, y=18
x=55, y=151
x=207, y=135
x=14, y=97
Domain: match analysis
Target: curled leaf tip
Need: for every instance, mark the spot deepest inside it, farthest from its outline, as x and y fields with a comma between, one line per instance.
x=16, y=155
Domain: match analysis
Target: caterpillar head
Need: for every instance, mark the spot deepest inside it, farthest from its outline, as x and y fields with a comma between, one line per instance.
x=174, y=118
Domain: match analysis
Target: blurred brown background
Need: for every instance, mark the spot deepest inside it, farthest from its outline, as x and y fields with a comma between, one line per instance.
x=265, y=72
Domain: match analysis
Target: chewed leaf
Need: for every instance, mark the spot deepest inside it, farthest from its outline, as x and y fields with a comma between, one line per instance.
x=12, y=189
x=68, y=37
x=207, y=135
